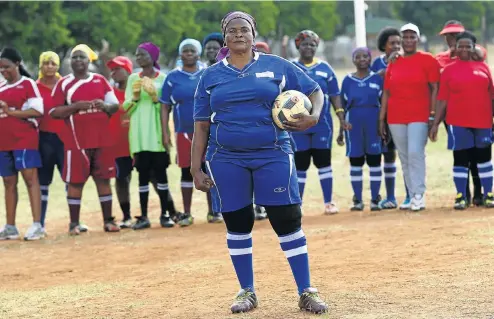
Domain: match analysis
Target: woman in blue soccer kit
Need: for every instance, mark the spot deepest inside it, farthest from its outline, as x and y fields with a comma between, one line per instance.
x=315, y=143
x=248, y=156
x=389, y=42
x=178, y=94
x=360, y=94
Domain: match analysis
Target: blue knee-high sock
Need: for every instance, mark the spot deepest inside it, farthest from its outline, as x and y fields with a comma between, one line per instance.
x=485, y=174
x=302, y=178
x=44, y=203
x=326, y=179
x=294, y=246
x=356, y=179
x=376, y=175
x=389, y=180
x=240, y=247
x=460, y=177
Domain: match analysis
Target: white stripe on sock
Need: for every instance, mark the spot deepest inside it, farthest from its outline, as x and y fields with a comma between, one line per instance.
x=483, y=165
x=390, y=165
x=240, y=251
x=44, y=187
x=106, y=198
x=486, y=174
x=74, y=201
x=292, y=237
x=375, y=169
x=187, y=184
x=355, y=168
x=325, y=169
x=162, y=187
x=143, y=189
x=356, y=178
x=44, y=198
x=390, y=175
x=460, y=175
x=302, y=180
x=296, y=251
x=375, y=178
x=238, y=236
x=326, y=175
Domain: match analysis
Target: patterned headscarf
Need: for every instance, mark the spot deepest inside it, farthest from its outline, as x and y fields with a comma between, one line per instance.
x=302, y=35
x=224, y=23
x=365, y=49
x=48, y=56
x=153, y=50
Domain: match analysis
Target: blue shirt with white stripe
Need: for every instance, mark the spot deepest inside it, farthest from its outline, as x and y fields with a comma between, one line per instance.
x=238, y=104
x=178, y=91
x=323, y=74
x=366, y=92
x=379, y=64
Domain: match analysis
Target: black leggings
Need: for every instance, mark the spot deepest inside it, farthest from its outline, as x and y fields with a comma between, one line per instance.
x=321, y=158
x=152, y=164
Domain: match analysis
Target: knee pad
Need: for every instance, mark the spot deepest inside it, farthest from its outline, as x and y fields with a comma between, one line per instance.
x=186, y=175
x=285, y=219
x=390, y=156
x=240, y=221
x=483, y=155
x=373, y=160
x=302, y=160
x=321, y=157
x=357, y=161
x=462, y=157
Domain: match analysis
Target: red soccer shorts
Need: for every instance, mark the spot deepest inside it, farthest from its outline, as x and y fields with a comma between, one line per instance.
x=80, y=164
x=184, y=148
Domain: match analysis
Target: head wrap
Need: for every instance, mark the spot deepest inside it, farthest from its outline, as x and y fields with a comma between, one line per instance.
x=263, y=45
x=302, y=35
x=224, y=23
x=365, y=49
x=193, y=42
x=92, y=56
x=14, y=56
x=215, y=36
x=48, y=56
x=153, y=50
x=120, y=62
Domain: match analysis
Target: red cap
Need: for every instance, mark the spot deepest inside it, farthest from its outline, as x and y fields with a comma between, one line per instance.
x=452, y=28
x=120, y=62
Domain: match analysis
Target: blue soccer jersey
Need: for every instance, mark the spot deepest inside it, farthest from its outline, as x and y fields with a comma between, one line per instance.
x=238, y=104
x=361, y=100
x=379, y=64
x=178, y=91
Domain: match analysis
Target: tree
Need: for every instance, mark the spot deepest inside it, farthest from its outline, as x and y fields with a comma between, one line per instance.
x=33, y=27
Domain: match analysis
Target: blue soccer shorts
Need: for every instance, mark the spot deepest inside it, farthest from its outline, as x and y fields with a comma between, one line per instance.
x=12, y=162
x=463, y=138
x=364, y=137
x=271, y=181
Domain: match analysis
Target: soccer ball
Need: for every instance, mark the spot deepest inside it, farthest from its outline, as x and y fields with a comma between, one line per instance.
x=288, y=104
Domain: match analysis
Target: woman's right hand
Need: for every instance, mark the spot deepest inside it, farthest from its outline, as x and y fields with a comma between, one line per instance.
x=136, y=89
x=383, y=132
x=340, y=139
x=202, y=181
x=394, y=56
x=433, y=132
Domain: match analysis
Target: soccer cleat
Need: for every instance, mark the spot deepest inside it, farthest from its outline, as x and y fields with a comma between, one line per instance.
x=214, y=218
x=141, y=223
x=407, y=203
x=460, y=202
x=35, y=232
x=417, y=203
x=330, y=209
x=83, y=227
x=245, y=301
x=489, y=200
x=374, y=204
x=111, y=226
x=74, y=229
x=358, y=205
x=260, y=212
x=310, y=301
x=166, y=221
x=9, y=232
x=186, y=220
x=388, y=204
x=478, y=200
x=125, y=224
x=176, y=217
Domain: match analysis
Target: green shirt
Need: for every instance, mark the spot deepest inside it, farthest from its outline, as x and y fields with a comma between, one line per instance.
x=145, y=133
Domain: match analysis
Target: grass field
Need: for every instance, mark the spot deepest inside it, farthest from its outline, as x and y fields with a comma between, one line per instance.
x=393, y=264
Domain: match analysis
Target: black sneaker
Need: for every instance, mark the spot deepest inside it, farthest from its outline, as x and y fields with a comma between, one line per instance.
x=186, y=220
x=245, y=301
x=166, y=221
x=374, y=204
x=311, y=302
x=358, y=205
x=478, y=200
x=460, y=202
x=141, y=223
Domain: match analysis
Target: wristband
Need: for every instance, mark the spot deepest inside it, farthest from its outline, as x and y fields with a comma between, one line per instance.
x=431, y=118
x=340, y=110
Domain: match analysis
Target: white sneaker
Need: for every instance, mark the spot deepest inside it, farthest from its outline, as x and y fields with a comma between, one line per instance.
x=417, y=203
x=9, y=232
x=330, y=209
x=35, y=232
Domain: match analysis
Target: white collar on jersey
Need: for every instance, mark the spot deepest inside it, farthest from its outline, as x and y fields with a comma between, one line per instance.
x=225, y=62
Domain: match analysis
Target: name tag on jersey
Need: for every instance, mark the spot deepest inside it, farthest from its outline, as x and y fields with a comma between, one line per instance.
x=267, y=74
x=480, y=73
x=374, y=86
x=321, y=73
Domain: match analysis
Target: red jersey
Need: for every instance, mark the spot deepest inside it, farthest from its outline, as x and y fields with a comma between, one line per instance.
x=407, y=81
x=18, y=134
x=48, y=123
x=119, y=126
x=467, y=88
x=89, y=128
